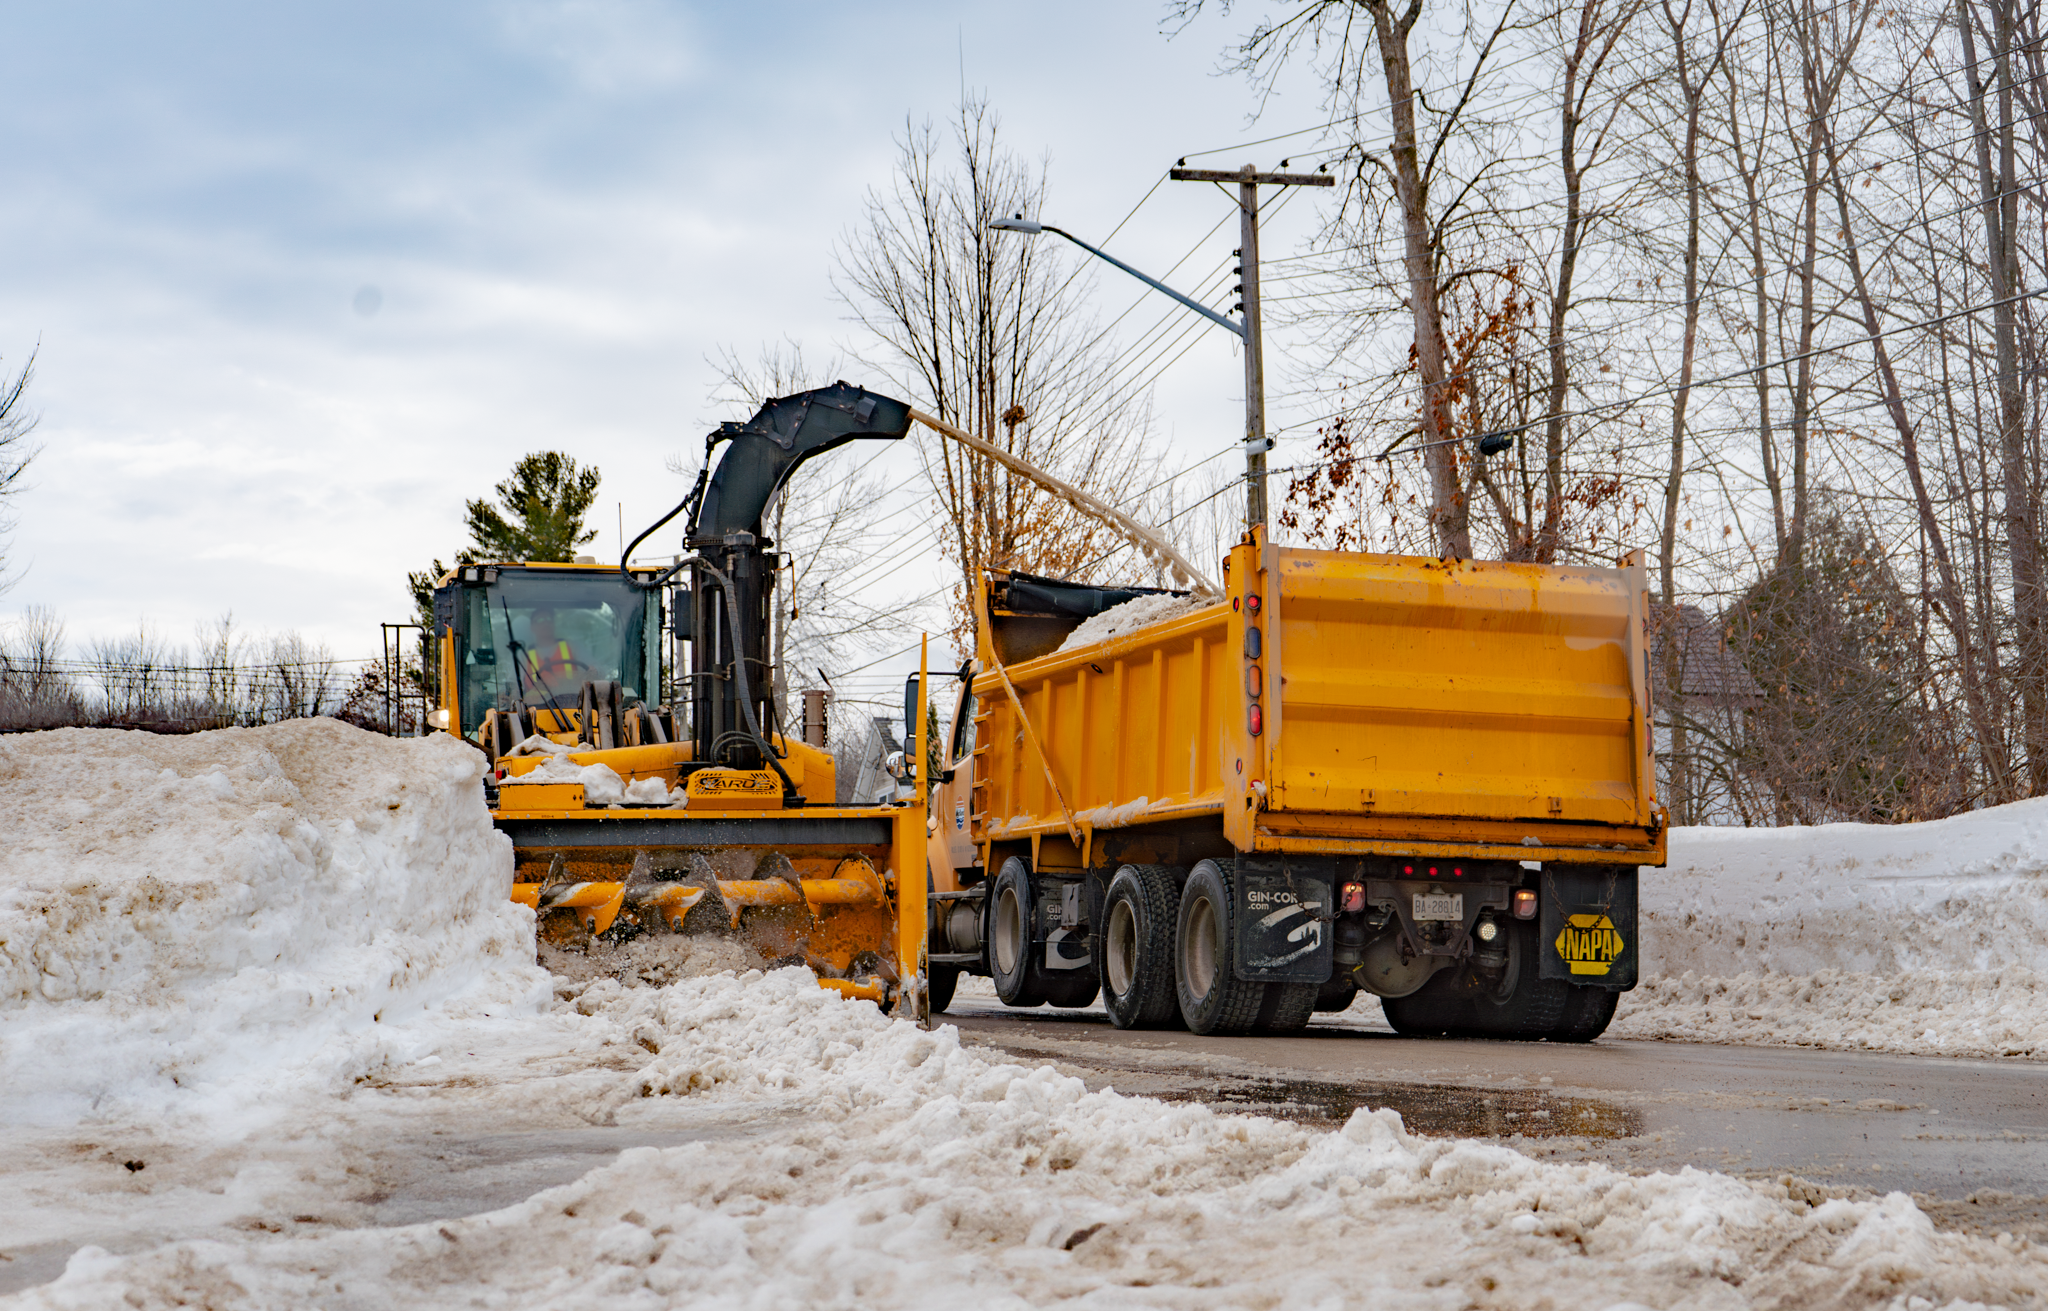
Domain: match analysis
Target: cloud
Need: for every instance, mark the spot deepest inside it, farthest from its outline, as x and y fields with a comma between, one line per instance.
x=608, y=47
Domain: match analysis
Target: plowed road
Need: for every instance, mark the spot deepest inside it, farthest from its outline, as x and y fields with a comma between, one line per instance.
x=1968, y=1138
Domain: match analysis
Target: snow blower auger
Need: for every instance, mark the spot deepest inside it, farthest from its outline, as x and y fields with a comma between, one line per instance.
x=633, y=813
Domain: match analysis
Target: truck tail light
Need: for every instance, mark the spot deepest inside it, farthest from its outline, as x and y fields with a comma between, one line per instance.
x=1258, y=721
x=1354, y=897
x=1525, y=903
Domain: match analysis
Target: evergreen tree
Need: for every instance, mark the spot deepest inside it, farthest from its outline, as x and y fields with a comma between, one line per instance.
x=539, y=515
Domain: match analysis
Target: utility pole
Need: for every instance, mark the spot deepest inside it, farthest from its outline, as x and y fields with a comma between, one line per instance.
x=1256, y=445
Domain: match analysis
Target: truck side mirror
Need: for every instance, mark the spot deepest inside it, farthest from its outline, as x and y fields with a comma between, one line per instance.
x=910, y=713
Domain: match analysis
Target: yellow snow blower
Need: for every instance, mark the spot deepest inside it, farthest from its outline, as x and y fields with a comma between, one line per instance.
x=634, y=812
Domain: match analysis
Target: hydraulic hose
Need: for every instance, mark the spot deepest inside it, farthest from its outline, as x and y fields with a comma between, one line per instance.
x=739, y=663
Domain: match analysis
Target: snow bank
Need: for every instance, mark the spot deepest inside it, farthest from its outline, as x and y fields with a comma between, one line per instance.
x=1132, y=615
x=1929, y=938
x=218, y=912
x=909, y=1171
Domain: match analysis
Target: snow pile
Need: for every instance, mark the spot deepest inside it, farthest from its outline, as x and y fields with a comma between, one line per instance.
x=233, y=908
x=647, y=792
x=602, y=785
x=1133, y=615
x=1928, y=938
x=910, y=1171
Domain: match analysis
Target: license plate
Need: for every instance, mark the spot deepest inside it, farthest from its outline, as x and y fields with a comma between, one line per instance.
x=1440, y=906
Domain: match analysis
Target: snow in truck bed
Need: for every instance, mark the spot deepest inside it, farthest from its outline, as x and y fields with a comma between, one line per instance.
x=320, y=915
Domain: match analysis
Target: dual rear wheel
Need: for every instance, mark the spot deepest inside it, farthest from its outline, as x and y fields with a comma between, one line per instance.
x=1168, y=956
x=1456, y=1004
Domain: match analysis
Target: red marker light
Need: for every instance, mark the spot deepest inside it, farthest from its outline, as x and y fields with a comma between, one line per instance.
x=1407, y=869
x=1258, y=721
x=1251, y=602
x=1234, y=603
x=1432, y=871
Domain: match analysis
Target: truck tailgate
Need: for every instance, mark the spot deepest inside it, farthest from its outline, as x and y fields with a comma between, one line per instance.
x=1458, y=689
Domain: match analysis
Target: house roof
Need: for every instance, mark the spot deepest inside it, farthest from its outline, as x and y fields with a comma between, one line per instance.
x=1708, y=673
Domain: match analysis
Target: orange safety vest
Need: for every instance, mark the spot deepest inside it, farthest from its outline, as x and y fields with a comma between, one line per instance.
x=548, y=666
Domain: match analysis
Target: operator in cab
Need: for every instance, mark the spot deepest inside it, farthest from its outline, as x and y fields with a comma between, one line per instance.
x=555, y=662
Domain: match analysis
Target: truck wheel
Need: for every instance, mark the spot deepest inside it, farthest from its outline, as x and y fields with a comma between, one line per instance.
x=1010, y=914
x=939, y=986
x=1071, y=990
x=1439, y=1008
x=1336, y=995
x=1137, y=947
x=1212, y=998
x=1522, y=1006
x=1287, y=1007
x=1587, y=1012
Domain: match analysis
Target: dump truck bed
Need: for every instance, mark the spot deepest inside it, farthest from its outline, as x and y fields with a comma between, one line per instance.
x=1343, y=703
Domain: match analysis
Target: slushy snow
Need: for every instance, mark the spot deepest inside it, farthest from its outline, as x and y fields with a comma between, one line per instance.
x=222, y=912
x=320, y=916
x=1924, y=938
x=911, y=1171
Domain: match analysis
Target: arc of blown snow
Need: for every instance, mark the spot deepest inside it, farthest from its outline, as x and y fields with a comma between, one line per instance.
x=1150, y=543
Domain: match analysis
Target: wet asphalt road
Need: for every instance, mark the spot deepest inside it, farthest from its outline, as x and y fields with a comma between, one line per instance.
x=1968, y=1138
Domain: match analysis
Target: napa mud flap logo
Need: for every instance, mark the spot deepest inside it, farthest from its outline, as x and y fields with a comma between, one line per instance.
x=1588, y=925
x=1283, y=924
x=1590, y=944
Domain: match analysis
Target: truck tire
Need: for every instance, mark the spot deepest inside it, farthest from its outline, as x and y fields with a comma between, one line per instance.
x=939, y=985
x=1137, y=947
x=1019, y=981
x=1439, y=1008
x=1212, y=998
x=1337, y=994
x=1287, y=1007
x=1524, y=1007
x=1070, y=989
x=1587, y=1012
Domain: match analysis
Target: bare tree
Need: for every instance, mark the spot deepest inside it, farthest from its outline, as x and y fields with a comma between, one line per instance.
x=1693, y=82
x=987, y=331
x=16, y=424
x=1992, y=104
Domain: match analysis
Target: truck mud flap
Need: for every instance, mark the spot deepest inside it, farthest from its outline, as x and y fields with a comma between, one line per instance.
x=1587, y=926
x=1283, y=920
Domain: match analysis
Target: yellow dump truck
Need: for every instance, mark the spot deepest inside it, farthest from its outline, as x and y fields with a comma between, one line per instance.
x=1432, y=780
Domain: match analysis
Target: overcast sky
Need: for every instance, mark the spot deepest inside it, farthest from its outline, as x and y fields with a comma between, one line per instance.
x=307, y=276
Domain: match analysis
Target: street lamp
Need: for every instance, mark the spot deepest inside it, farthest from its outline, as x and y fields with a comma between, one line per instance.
x=1026, y=226
x=1256, y=443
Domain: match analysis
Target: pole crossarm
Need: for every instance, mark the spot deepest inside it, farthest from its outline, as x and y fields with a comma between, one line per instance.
x=1150, y=543
x=1256, y=443
x=1247, y=175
